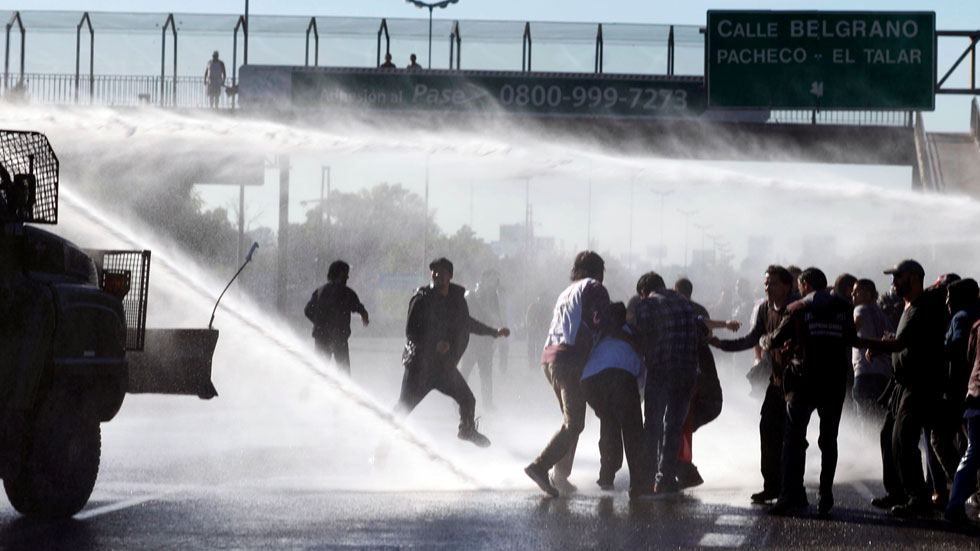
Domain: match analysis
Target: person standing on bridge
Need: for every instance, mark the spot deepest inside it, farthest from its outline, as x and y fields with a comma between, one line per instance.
x=437, y=331
x=214, y=79
x=413, y=65
x=329, y=309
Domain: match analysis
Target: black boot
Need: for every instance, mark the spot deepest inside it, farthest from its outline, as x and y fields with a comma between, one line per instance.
x=467, y=431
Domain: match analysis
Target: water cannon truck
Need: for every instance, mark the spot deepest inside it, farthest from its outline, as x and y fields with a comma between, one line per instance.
x=73, y=340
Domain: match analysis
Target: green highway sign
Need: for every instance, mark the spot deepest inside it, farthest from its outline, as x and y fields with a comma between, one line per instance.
x=545, y=94
x=821, y=60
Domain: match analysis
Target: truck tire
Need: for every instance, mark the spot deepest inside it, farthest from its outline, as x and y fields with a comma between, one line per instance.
x=61, y=461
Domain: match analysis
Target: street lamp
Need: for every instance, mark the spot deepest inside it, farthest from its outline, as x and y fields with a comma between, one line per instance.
x=420, y=4
x=687, y=222
x=662, y=193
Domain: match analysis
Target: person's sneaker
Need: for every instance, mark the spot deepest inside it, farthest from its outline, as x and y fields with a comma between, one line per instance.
x=467, y=431
x=887, y=501
x=825, y=502
x=665, y=488
x=688, y=476
x=563, y=485
x=540, y=477
x=764, y=496
x=785, y=506
x=914, y=508
x=974, y=500
x=605, y=485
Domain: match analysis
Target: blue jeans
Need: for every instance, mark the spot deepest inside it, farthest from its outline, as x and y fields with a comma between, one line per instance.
x=965, y=481
x=667, y=400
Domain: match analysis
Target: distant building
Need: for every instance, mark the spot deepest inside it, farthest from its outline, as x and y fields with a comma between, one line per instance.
x=513, y=240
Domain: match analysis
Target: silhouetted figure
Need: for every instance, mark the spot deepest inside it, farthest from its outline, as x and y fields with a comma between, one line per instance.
x=214, y=79
x=965, y=481
x=536, y=322
x=579, y=317
x=413, y=64
x=915, y=390
x=820, y=332
x=947, y=433
x=610, y=381
x=329, y=309
x=437, y=332
x=871, y=376
x=707, y=401
x=388, y=64
x=780, y=291
x=669, y=333
x=484, y=304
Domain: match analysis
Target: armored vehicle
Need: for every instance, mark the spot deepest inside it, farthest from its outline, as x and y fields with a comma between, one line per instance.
x=73, y=340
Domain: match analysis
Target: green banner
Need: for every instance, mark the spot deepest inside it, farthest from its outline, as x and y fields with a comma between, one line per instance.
x=825, y=60
x=548, y=94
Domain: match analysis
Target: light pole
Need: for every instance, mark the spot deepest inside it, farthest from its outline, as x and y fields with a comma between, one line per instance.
x=425, y=216
x=246, y=33
x=662, y=193
x=687, y=219
x=629, y=258
x=324, y=203
x=701, y=227
x=420, y=4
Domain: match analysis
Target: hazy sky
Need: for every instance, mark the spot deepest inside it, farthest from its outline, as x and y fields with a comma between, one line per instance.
x=949, y=13
x=452, y=200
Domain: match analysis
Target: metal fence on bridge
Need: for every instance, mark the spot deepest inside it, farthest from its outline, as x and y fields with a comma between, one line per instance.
x=190, y=92
x=112, y=90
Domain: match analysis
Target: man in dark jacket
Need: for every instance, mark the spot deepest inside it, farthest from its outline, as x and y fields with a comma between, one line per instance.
x=329, y=309
x=821, y=328
x=438, y=330
x=965, y=481
x=917, y=353
x=779, y=286
x=669, y=334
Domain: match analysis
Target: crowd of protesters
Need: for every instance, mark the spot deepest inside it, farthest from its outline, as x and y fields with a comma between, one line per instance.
x=906, y=363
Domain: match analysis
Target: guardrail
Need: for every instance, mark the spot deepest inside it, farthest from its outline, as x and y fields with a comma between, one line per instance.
x=190, y=92
x=844, y=117
x=113, y=90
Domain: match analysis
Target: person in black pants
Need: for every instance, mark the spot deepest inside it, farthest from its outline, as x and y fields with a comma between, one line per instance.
x=916, y=390
x=437, y=331
x=610, y=381
x=821, y=328
x=779, y=286
x=329, y=309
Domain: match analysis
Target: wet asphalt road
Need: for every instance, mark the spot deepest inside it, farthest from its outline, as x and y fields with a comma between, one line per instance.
x=255, y=516
x=283, y=460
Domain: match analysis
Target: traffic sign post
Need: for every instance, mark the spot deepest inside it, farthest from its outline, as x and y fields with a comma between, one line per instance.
x=821, y=60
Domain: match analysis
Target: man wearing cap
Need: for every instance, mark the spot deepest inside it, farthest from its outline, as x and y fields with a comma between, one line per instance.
x=917, y=353
x=214, y=79
x=438, y=329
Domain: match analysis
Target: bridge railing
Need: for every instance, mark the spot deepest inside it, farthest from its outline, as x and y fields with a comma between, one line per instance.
x=111, y=90
x=842, y=117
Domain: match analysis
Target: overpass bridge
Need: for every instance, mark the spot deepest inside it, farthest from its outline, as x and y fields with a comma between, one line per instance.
x=950, y=162
x=681, y=121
